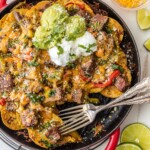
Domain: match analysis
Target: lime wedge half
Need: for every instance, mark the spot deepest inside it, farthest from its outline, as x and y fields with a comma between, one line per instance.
x=147, y=44
x=137, y=133
x=143, y=18
x=128, y=146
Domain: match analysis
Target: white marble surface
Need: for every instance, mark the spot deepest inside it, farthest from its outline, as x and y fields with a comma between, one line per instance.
x=138, y=113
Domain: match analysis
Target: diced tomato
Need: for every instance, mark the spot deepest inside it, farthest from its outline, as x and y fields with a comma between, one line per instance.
x=109, y=81
x=2, y=101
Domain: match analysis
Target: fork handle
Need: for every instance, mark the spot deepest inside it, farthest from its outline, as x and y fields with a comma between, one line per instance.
x=139, y=88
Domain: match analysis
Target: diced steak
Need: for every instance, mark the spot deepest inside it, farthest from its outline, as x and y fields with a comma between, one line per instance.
x=56, y=94
x=53, y=134
x=11, y=106
x=121, y=83
x=17, y=16
x=23, y=22
x=77, y=95
x=81, y=12
x=6, y=82
x=87, y=65
x=29, y=118
x=84, y=14
x=98, y=22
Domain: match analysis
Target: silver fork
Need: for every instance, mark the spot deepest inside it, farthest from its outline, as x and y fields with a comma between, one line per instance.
x=80, y=116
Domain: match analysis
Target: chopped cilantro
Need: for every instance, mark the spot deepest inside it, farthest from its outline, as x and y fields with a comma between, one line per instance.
x=88, y=49
x=96, y=26
x=109, y=31
x=33, y=63
x=117, y=67
x=12, y=42
x=102, y=62
x=46, y=143
x=15, y=25
x=82, y=46
x=36, y=98
x=26, y=37
x=71, y=65
x=44, y=126
x=60, y=50
x=72, y=55
x=52, y=93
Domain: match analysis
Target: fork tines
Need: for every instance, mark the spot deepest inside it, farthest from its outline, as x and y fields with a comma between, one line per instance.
x=76, y=122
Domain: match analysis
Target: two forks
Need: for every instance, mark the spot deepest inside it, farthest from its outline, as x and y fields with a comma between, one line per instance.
x=80, y=116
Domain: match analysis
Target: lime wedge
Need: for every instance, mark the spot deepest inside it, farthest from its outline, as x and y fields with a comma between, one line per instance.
x=143, y=18
x=128, y=146
x=137, y=133
x=147, y=44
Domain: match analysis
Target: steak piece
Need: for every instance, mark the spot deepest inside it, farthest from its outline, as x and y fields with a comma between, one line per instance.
x=87, y=65
x=98, y=22
x=56, y=94
x=29, y=118
x=121, y=83
x=53, y=134
x=77, y=95
x=11, y=106
x=6, y=82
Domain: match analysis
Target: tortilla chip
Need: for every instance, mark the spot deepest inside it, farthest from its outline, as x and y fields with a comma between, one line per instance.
x=122, y=61
x=115, y=26
x=11, y=119
x=111, y=92
x=37, y=135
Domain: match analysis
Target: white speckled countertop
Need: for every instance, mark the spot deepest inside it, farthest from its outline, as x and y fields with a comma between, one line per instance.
x=138, y=113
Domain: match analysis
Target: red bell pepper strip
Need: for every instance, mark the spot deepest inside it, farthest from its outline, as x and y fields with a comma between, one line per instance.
x=109, y=81
x=2, y=101
x=81, y=5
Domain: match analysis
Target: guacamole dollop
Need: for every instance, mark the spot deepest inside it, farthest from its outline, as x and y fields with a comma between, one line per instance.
x=55, y=25
x=75, y=27
x=54, y=15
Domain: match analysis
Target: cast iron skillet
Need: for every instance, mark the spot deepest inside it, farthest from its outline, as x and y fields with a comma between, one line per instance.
x=109, y=118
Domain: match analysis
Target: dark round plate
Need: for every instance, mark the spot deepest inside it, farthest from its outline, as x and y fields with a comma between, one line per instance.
x=109, y=118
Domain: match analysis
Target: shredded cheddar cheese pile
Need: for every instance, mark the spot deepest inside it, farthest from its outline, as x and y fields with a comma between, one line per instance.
x=130, y=3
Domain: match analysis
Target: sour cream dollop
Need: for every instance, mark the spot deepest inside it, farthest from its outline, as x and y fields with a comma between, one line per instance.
x=69, y=51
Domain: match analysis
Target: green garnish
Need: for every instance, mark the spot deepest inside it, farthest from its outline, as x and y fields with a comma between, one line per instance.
x=33, y=63
x=60, y=50
x=71, y=65
x=12, y=42
x=36, y=98
x=26, y=37
x=72, y=55
x=15, y=25
x=52, y=93
x=117, y=67
x=88, y=49
x=102, y=62
x=46, y=143
x=82, y=46
x=44, y=126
